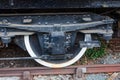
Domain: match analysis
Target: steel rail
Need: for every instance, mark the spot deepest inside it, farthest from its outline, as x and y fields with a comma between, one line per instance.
x=19, y=58
x=78, y=70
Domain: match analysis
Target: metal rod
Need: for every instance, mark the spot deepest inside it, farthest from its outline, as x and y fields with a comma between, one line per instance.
x=20, y=58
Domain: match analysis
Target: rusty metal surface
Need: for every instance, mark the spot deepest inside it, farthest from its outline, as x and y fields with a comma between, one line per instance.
x=27, y=73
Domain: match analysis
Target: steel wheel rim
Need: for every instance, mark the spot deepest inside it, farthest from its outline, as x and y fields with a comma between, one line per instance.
x=48, y=64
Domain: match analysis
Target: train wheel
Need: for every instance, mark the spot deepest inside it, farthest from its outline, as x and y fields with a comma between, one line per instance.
x=32, y=47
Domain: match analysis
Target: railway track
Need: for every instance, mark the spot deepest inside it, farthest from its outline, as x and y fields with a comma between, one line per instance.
x=29, y=72
x=55, y=33
x=79, y=71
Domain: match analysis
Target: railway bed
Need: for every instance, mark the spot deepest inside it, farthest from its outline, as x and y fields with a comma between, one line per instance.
x=78, y=71
x=28, y=72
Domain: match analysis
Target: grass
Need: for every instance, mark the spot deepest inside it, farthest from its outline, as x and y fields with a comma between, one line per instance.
x=96, y=52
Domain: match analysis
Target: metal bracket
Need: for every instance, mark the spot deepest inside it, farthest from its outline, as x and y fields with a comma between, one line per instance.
x=26, y=75
x=80, y=73
x=88, y=42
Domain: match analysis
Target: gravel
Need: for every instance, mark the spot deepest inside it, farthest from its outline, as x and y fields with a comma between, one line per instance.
x=101, y=76
x=53, y=77
x=97, y=77
x=9, y=78
x=110, y=58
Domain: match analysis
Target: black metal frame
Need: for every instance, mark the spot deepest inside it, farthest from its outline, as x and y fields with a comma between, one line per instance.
x=53, y=23
x=56, y=4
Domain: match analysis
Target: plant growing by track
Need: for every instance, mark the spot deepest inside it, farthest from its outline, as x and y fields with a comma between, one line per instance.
x=96, y=52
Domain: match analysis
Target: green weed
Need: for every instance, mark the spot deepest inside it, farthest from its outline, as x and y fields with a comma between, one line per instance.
x=96, y=52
